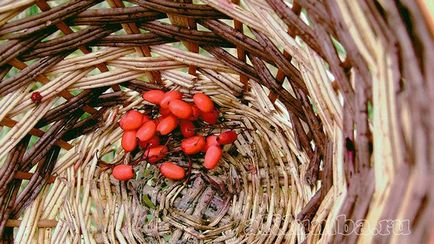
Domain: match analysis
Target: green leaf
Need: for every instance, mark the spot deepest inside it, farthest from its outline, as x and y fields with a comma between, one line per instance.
x=33, y=10
x=148, y=202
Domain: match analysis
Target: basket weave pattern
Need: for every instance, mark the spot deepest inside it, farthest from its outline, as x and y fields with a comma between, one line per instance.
x=332, y=100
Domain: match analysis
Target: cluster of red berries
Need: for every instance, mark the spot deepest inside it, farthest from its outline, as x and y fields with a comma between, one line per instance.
x=143, y=131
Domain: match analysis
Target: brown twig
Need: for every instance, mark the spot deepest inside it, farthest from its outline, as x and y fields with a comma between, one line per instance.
x=30, y=25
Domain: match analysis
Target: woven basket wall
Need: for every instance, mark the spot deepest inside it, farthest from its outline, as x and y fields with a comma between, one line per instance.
x=333, y=102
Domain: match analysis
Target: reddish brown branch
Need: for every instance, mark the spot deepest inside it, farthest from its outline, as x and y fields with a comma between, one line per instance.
x=291, y=103
x=132, y=40
x=182, y=9
x=234, y=63
x=184, y=34
x=237, y=38
x=28, y=74
x=116, y=15
x=32, y=24
x=69, y=42
x=297, y=26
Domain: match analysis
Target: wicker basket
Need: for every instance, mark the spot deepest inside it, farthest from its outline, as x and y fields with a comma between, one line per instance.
x=332, y=100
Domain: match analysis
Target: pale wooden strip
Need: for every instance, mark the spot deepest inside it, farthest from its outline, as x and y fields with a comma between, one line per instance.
x=106, y=79
x=339, y=185
x=11, y=100
x=85, y=58
x=58, y=232
x=324, y=84
x=224, y=80
x=8, y=5
x=277, y=31
x=264, y=102
x=317, y=222
x=190, y=58
x=29, y=222
x=20, y=130
x=319, y=102
x=88, y=238
x=180, y=78
x=236, y=12
x=50, y=90
x=5, y=17
x=55, y=198
x=66, y=161
x=209, y=86
x=388, y=152
x=89, y=60
x=357, y=24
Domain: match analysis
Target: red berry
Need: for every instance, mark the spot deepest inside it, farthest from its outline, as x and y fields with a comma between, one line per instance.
x=212, y=157
x=145, y=119
x=36, y=97
x=166, y=125
x=165, y=111
x=158, y=120
x=131, y=120
x=168, y=97
x=180, y=109
x=154, y=141
x=143, y=144
x=195, y=113
x=203, y=102
x=211, y=141
x=227, y=137
x=123, y=172
x=155, y=154
x=153, y=96
x=211, y=117
x=129, y=142
x=193, y=145
x=147, y=131
x=172, y=171
x=187, y=128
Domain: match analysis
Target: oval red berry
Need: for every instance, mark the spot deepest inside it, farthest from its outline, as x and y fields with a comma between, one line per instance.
x=211, y=141
x=154, y=141
x=195, y=113
x=129, y=142
x=167, y=125
x=203, y=102
x=187, y=128
x=227, y=137
x=212, y=157
x=165, y=111
x=193, y=145
x=123, y=172
x=211, y=117
x=172, y=171
x=145, y=119
x=180, y=109
x=155, y=154
x=153, y=96
x=131, y=120
x=158, y=120
x=147, y=131
x=168, y=97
